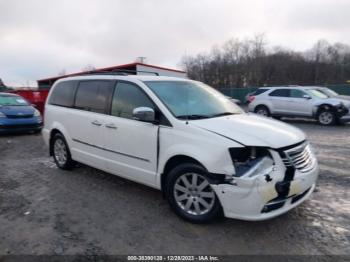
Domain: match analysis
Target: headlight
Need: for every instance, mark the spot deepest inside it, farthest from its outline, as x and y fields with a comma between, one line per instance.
x=2, y=115
x=37, y=113
x=251, y=161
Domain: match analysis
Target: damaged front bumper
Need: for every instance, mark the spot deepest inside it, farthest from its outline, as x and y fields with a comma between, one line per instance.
x=287, y=183
x=345, y=118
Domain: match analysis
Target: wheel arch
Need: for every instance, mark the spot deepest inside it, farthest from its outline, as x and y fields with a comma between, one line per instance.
x=173, y=162
x=323, y=106
x=57, y=129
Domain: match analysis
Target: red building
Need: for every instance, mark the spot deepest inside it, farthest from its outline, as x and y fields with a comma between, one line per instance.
x=133, y=68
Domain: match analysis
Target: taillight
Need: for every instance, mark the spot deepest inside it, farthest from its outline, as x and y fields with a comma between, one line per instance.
x=251, y=98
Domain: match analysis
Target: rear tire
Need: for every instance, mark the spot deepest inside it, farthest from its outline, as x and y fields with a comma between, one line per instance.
x=190, y=194
x=326, y=117
x=61, y=152
x=262, y=110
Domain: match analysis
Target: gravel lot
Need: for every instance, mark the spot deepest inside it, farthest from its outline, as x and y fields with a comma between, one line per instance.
x=44, y=210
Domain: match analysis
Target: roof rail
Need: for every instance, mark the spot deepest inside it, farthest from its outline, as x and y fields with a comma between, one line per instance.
x=118, y=72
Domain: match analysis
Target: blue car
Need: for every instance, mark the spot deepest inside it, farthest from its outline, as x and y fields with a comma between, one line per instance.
x=17, y=115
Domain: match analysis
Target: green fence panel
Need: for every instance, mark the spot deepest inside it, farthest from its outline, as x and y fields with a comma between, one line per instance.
x=237, y=93
x=340, y=89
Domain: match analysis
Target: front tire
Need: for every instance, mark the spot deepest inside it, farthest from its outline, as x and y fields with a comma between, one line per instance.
x=190, y=195
x=61, y=152
x=326, y=117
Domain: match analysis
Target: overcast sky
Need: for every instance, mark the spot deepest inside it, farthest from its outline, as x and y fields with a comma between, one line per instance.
x=39, y=38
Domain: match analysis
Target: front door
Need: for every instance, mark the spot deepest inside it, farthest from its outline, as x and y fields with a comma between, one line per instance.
x=298, y=104
x=130, y=145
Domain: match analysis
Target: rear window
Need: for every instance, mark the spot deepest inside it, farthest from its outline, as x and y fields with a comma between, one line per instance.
x=63, y=94
x=280, y=93
x=259, y=91
x=93, y=95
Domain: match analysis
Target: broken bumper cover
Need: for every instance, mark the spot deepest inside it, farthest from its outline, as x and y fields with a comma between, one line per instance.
x=257, y=198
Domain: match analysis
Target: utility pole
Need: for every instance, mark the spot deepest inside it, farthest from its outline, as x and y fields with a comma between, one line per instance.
x=141, y=59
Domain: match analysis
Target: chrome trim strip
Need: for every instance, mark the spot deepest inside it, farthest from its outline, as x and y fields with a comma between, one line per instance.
x=112, y=151
x=300, y=157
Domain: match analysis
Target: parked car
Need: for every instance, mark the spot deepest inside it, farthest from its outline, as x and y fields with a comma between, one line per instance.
x=183, y=137
x=300, y=102
x=17, y=115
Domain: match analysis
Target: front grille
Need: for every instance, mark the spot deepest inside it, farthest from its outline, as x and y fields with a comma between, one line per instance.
x=299, y=157
x=298, y=197
x=27, y=126
x=19, y=116
x=273, y=205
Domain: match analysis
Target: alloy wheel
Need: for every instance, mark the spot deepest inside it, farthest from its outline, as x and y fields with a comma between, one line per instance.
x=262, y=112
x=193, y=194
x=60, y=152
x=326, y=118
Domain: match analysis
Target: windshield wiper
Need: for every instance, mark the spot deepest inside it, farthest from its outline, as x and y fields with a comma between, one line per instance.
x=222, y=114
x=193, y=116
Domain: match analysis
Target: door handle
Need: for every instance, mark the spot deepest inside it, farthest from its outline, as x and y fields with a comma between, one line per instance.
x=112, y=126
x=96, y=123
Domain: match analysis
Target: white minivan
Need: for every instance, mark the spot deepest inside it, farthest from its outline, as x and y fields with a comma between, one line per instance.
x=183, y=137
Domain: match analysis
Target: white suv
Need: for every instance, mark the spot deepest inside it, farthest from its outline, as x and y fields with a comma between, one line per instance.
x=184, y=138
x=301, y=101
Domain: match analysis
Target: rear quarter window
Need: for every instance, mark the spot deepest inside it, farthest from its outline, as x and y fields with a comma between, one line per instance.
x=259, y=92
x=63, y=94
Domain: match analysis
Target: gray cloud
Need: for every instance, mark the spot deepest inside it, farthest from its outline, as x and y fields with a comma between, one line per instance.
x=39, y=38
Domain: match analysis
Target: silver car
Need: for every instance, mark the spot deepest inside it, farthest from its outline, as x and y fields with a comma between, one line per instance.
x=300, y=101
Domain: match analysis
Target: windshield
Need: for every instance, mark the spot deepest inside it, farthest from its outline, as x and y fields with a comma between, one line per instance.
x=329, y=92
x=192, y=100
x=317, y=93
x=6, y=100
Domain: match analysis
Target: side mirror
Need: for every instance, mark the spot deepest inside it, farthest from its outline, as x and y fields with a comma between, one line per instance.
x=144, y=114
x=306, y=96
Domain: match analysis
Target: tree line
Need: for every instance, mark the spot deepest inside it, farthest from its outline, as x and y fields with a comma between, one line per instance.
x=251, y=62
x=3, y=87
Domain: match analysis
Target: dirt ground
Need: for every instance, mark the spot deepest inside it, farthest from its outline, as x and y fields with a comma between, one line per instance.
x=44, y=210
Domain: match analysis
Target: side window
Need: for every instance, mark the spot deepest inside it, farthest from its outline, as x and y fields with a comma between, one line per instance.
x=93, y=95
x=280, y=93
x=63, y=94
x=126, y=98
x=295, y=93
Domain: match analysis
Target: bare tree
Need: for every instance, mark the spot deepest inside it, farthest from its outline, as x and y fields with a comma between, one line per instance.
x=251, y=62
x=61, y=72
x=88, y=67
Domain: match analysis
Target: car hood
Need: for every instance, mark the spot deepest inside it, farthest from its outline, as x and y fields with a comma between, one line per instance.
x=17, y=110
x=253, y=130
x=342, y=97
x=334, y=101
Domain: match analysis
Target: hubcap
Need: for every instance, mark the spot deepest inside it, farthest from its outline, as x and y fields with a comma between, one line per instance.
x=326, y=117
x=193, y=194
x=60, y=152
x=262, y=112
